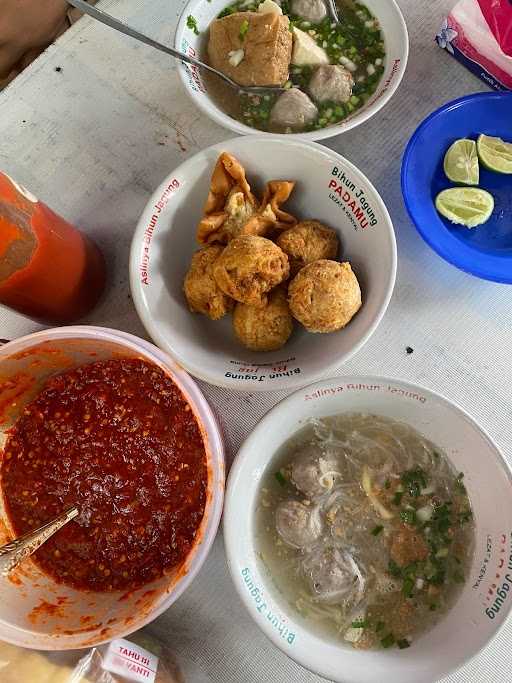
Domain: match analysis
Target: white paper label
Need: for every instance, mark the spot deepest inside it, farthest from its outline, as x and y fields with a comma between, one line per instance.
x=131, y=661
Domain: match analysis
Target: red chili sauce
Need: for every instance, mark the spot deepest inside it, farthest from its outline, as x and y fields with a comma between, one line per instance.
x=117, y=439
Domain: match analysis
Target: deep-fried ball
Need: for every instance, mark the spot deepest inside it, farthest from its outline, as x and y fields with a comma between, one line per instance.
x=324, y=296
x=249, y=267
x=202, y=293
x=306, y=242
x=267, y=328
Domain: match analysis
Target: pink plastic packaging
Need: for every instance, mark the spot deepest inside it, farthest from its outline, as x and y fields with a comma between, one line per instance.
x=478, y=33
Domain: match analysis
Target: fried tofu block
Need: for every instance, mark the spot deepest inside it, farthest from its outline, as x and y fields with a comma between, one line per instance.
x=251, y=48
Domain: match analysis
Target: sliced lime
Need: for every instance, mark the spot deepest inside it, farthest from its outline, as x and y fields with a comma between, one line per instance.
x=495, y=154
x=467, y=206
x=461, y=162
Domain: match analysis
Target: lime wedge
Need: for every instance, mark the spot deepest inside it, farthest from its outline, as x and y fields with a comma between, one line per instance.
x=467, y=206
x=495, y=154
x=461, y=162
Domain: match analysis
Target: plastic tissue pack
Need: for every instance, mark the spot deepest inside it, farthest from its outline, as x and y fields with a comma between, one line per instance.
x=478, y=33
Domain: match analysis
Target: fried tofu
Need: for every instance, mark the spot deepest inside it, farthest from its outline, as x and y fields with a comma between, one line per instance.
x=252, y=48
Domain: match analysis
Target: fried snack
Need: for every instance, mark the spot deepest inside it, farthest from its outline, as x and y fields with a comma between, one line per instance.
x=249, y=267
x=231, y=208
x=202, y=293
x=267, y=328
x=324, y=295
x=276, y=193
x=306, y=242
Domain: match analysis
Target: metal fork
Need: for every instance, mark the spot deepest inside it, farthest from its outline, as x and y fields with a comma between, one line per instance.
x=109, y=20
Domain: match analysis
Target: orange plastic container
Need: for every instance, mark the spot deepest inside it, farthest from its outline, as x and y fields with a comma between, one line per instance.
x=49, y=270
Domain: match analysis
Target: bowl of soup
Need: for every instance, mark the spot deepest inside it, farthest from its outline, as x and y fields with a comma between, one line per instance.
x=366, y=540
x=106, y=422
x=325, y=77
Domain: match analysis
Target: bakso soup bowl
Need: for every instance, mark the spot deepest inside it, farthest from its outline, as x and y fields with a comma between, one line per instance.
x=192, y=39
x=483, y=592
x=329, y=189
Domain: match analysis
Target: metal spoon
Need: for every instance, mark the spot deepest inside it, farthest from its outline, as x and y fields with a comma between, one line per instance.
x=14, y=552
x=109, y=20
x=333, y=9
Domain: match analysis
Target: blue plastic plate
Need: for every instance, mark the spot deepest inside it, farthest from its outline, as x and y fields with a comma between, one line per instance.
x=485, y=251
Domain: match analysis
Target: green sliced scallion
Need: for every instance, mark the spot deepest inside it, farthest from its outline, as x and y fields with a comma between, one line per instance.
x=244, y=28
x=280, y=479
x=388, y=640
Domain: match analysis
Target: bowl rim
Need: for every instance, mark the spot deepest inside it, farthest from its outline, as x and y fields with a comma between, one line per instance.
x=213, y=112
x=290, y=383
x=434, y=239
x=216, y=479
x=231, y=522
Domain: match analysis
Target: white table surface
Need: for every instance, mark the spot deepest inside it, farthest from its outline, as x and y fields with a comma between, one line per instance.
x=94, y=139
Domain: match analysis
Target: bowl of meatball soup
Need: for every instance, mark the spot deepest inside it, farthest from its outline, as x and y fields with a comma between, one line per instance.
x=366, y=544
x=326, y=71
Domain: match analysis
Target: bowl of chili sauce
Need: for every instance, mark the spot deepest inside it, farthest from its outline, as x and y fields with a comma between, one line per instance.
x=103, y=420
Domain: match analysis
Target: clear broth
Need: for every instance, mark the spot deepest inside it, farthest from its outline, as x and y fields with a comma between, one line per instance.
x=353, y=39
x=398, y=602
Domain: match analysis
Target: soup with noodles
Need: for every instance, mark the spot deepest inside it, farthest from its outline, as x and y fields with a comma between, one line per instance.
x=365, y=529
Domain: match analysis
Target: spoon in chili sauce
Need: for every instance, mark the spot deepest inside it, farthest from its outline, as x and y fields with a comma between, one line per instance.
x=14, y=552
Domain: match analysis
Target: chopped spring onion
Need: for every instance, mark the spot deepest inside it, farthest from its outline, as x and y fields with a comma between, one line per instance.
x=377, y=529
x=244, y=27
x=408, y=586
x=388, y=640
x=379, y=626
x=280, y=479
x=403, y=643
x=397, y=498
x=394, y=569
x=408, y=516
x=360, y=623
x=192, y=24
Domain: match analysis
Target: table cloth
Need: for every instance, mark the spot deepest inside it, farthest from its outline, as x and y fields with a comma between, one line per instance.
x=92, y=127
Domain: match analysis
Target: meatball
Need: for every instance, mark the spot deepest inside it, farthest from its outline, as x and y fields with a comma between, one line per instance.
x=331, y=83
x=324, y=296
x=306, y=242
x=294, y=110
x=297, y=524
x=202, y=293
x=249, y=267
x=312, y=471
x=332, y=575
x=264, y=329
x=310, y=10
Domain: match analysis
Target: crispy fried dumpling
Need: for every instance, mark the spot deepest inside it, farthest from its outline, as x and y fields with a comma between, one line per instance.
x=232, y=209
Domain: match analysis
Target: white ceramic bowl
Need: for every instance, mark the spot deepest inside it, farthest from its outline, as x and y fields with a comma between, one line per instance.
x=396, y=41
x=24, y=366
x=486, y=599
x=164, y=241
